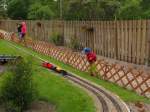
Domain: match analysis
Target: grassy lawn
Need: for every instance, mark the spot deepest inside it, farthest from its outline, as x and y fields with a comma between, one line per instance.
x=126, y=95
x=53, y=88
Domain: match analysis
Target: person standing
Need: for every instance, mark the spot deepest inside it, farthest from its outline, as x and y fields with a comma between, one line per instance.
x=23, y=31
x=19, y=30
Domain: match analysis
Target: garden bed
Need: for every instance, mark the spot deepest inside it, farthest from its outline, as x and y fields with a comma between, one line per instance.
x=38, y=106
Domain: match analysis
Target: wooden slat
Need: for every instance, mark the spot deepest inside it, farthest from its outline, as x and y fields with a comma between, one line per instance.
x=102, y=36
x=143, y=42
x=125, y=40
x=118, y=54
x=122, y=40
x=138, y=41
x=148, y=43
x=130, y=41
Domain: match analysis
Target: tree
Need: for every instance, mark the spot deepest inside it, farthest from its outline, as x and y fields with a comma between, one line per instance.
x=39, y=11
x=3, y=8
x=78, y=9
x=18, y=9
x=92, y=9
x=145, y=4
x=130, y=9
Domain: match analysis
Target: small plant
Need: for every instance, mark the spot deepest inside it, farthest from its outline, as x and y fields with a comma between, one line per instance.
x=74, y=44
x=57, y=39
x=17, y=90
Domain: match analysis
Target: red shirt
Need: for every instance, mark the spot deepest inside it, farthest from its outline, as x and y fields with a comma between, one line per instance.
x=91, y=57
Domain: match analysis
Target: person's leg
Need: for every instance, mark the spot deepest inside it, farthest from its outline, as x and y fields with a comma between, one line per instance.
x=92, y=69
x=23, y=38
x=20, y=36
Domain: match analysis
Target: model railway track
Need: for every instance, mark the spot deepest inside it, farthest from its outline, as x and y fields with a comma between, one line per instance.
x=115, y=107
x=100, y=98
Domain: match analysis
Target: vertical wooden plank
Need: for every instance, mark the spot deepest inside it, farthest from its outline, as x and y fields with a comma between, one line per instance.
x=115, y=42
x=125, y=41
x=134, y=41
x=130, y=38
x=110, y=39
x=99, y=45
x=107, y=38
x=83, y=34
x=138, y=41
x=65, y=37
x=88, y=35
x=79, y=32
x=95, y=33
x=148, y=44
x=102, y=36
x=110, y=42
x=143, y=41
x=97, y=38
x=118, y=28
x=122, y=40
x=111, y=34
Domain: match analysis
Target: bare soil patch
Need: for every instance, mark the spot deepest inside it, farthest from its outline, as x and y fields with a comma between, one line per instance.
x=38, y=106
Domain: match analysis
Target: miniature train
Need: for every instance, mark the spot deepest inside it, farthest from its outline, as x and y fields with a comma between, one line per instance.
x=11, y=59
x=54, y=68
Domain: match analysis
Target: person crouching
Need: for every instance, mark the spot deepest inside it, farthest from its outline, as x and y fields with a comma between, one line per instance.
x=91, y=58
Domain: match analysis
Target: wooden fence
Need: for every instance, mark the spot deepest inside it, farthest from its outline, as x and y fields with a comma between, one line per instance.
x=125, y=76
x=122, y=40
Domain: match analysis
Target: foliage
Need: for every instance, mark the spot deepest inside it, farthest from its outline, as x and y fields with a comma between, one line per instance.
x=130, y=10
x=3, y=13
x=74, y=44
x=76, y=9
x=38, y=11
x=57, y=39
x=17, y=90
x=18, y=9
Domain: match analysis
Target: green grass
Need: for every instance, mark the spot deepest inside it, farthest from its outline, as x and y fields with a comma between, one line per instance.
x=126, y=95
x=53, y=88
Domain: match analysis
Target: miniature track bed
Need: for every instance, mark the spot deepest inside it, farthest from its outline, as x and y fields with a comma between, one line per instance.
x=116, y=107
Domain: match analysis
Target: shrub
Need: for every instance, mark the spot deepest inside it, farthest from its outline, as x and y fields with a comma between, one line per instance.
x=18, y=90
x=74, y=44
x=57, y=39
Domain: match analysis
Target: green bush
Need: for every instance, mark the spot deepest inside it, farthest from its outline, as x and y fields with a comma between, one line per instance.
x=18, y=90
x=57, y=39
